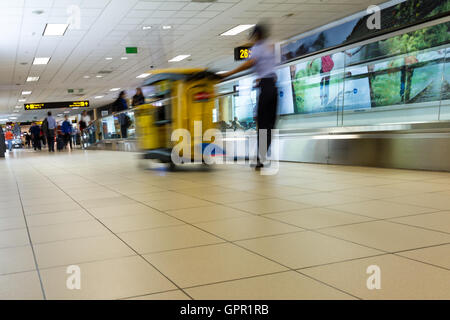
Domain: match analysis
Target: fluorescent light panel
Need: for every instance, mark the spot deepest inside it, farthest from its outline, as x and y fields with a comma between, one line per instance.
x=142, y=76
x=180, y=58
x=115, y=89
x=238, y=29
x=32, y=79
x=99, y=97
x=55, y=29
x=40, y=61
x=25, y=93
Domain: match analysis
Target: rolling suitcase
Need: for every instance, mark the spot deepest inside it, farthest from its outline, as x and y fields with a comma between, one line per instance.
x=60, y=143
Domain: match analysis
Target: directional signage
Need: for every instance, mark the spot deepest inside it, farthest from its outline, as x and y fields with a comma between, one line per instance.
x=57, y=105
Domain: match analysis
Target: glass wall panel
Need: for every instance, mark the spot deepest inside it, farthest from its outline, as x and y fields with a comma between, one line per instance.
x=444, y=113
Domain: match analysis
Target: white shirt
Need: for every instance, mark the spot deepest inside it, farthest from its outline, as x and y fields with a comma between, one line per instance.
x=264, y=56
x=86, y=119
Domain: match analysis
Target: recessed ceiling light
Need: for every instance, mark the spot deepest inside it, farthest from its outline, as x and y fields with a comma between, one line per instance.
x=146, y=27
x=180, y=58
x=238, y=29
x=99, y=97
x=22, y=100
x=86, y=77
x=108, y=58
x=43, y=60
x=221, y=72
x=115, y=89
x=25, y=93
x=32, y=79
x=124, y=58
x=18, y=107
x=166, y=27
x=142, y=76
x=99, y=76
x=55, y=29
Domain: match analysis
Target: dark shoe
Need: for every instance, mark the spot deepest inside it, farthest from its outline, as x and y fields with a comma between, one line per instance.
x=259, y=166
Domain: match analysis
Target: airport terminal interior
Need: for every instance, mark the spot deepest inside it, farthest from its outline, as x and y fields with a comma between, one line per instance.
x=132, y=168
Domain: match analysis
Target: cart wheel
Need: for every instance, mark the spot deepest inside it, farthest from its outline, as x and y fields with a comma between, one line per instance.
x=172, y=166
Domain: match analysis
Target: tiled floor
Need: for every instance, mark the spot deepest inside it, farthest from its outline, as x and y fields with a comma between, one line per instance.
x=309, y=232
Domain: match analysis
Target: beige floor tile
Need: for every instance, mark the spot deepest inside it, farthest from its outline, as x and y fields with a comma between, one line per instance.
x=281, y=286
x=50, y=208
x=122, y=210
x=169, y=238
x=14, y=238
x=16, y=222
x=245, y=228
x=66, y=231
x=439, y=221
x=106, y=202
x=47, y=219
x=203, y=214
x=171, y=295
x=209, y=264
x=314, y=218
x=17, y=259
x=387, y=236
x=46, y=200
x=95, y=195
x=231, y=197
x=265, y=206
x=181, y=203
x=400, y=278
x=139, y=222
x=281, y=191
x=305, y=249
x=380, y=209
x=378, y=192
x=11, y=212
x=323, y=199
x=154, y=196
x=201, y=191
x=20, y=286
x=437, y=255
x=429, y=200
x=74, y=251
x=109, y=279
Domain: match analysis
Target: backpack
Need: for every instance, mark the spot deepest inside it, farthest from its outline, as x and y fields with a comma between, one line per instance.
x=327, y=64
x=128, y=121
x=44, y=126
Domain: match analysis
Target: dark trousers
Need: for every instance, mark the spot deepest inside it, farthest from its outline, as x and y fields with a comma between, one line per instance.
x=267, y=114
x=51, y=140
x=37, y=143
x=124, y=131
x=68, y=140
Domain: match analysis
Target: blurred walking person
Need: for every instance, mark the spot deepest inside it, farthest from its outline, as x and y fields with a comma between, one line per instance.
x=49, y=128
x=121, y=105
x=9, y=137
x=263, y=62
x=67, y=129
x=35, y=131
x=138, y=98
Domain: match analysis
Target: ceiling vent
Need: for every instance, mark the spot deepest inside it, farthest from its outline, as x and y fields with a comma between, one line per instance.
x=105, y=72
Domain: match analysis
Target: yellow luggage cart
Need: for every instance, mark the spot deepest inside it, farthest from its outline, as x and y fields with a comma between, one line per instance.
x=178, y=101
